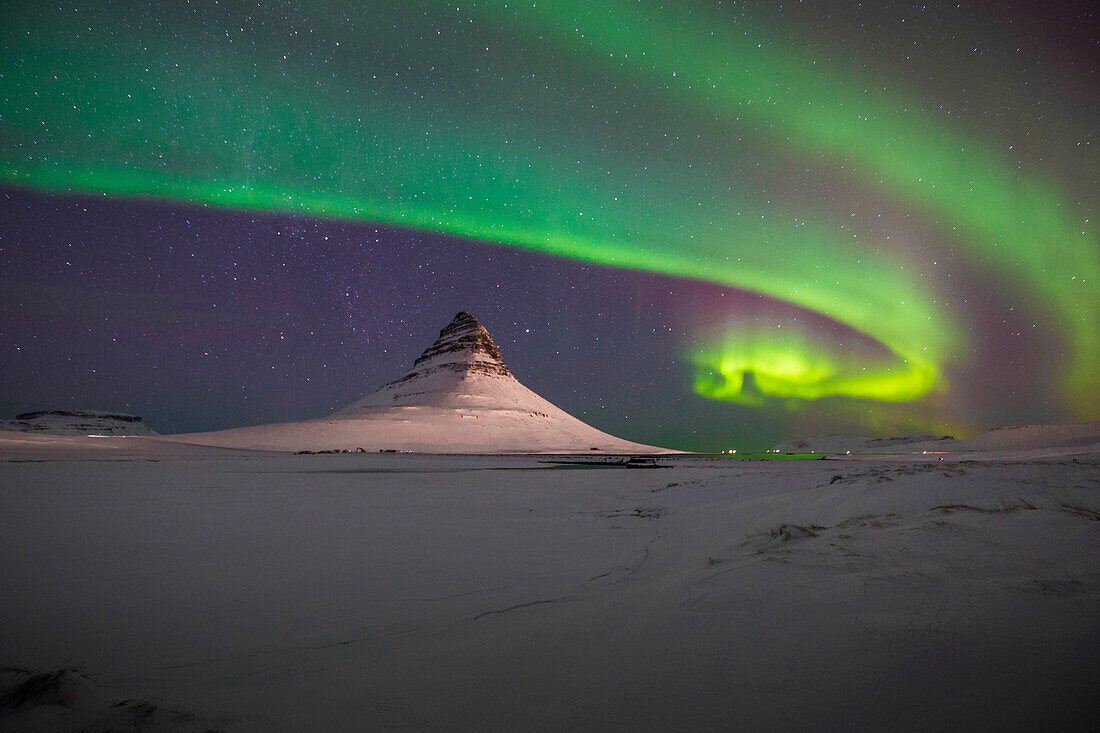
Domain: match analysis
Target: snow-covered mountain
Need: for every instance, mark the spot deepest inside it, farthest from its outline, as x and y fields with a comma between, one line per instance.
x=459, y=397
x=77, y=422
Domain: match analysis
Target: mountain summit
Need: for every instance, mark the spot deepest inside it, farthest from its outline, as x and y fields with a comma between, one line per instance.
x=441, y=375
x=459, y=397
x=463, y=346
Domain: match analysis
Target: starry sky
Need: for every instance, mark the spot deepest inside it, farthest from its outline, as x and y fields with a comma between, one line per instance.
x=700, y=224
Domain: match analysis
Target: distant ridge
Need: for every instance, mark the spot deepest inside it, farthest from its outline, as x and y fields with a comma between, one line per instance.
x=841, y=443
x=459, y=397
x=77, y=422
x=1084, y=436
x=1025, y=437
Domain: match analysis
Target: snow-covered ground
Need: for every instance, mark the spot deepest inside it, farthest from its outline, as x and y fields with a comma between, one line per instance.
x=265, y=592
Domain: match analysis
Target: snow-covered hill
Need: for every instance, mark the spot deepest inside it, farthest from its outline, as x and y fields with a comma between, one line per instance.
x=77, y=422
x=1078, y=438
x=843, y=443
x=1031, y=437
x=459, y=397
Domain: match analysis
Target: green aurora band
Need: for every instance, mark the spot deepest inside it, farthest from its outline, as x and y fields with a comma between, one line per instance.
x=753, y=364
x=337, y=116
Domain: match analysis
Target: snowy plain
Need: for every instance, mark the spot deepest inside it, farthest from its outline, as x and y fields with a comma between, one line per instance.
x=273, y=592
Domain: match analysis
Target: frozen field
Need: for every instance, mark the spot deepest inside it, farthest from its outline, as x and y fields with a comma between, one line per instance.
x=264, y=592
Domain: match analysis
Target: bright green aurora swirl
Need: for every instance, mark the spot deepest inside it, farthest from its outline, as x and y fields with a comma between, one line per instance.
x=674, y=138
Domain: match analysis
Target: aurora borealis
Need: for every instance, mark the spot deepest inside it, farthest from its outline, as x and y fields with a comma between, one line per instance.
x=911, y=188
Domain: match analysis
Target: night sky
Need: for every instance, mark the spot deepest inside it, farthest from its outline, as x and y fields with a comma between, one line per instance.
x=698, y=224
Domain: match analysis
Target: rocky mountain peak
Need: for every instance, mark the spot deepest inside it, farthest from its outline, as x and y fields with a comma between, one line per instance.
x=463, y=345
x=463, y=367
